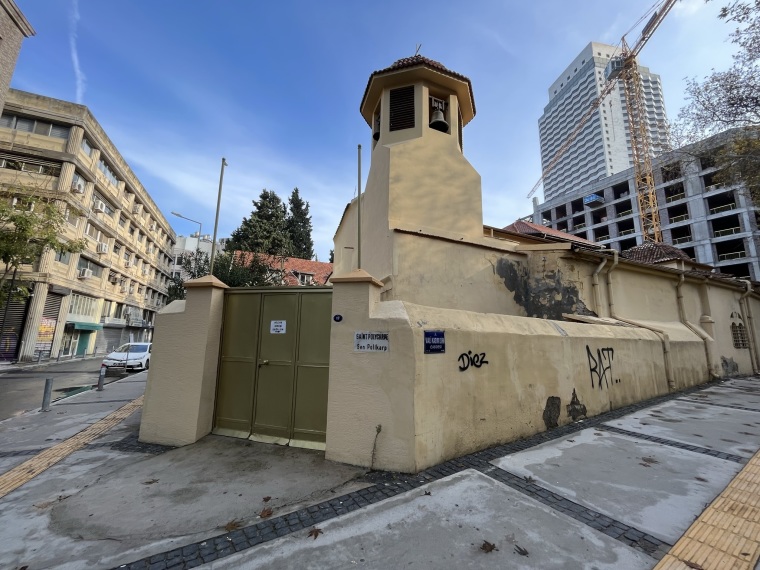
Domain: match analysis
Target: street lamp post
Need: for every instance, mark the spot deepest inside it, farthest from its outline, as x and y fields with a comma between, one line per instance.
x=200, y=227
x=216, y=220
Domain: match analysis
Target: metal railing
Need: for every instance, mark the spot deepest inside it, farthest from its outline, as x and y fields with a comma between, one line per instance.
x=680, y=218
x=723, y=208
x=732, y=255
x=726, y=232
x=683, y=239
x=675, y=197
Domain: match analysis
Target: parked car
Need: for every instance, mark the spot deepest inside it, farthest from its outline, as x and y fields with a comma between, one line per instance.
x=134, y=355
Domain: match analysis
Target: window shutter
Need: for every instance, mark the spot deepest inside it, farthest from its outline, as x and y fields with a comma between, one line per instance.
x=402, y=108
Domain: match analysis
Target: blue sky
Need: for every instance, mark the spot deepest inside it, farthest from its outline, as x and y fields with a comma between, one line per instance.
x=275, y=87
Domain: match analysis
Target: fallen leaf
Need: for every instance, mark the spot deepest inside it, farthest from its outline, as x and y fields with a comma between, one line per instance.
x=488, y=547
x=150, y=481
x=23, y=568
x=315, y=532
x=701, y=479
x=427, y=492
x=650, y=460
x=266, y=499
x=693, y=565
x=234, y=524
x=528, y=478
x=266, y=513
x=520, y=550
x=645, y=464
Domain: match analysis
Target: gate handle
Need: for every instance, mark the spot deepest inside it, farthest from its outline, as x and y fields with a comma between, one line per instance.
x=263, y=362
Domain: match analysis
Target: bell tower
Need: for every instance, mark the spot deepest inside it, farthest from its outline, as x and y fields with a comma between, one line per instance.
x=419, y=181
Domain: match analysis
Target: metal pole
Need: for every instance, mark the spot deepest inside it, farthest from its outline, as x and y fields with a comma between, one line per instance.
x=46, y=396
x=216, y=220
x=359, y=211
x=101, y=378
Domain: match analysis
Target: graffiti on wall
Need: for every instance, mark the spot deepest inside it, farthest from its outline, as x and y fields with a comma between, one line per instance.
x=600, y=367
x=467, y=359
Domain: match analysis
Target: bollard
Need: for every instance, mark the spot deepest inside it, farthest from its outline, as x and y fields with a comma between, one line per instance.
x=39, y=356
x=101, y=378
x=59, y=355
x=46, y=396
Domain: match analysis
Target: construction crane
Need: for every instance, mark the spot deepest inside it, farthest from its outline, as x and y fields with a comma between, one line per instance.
x=625, y=68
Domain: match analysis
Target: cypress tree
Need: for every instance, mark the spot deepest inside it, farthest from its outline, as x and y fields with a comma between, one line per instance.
x=299, y=226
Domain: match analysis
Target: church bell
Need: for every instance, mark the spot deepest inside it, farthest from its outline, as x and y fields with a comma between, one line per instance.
x=438, y=122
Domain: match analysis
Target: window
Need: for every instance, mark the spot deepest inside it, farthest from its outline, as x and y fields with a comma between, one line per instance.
x=72, y=217
x=122, y=221
x=86, y=147
x=92, y=231
x=82, y=305
x=132, y=231
x=84, y=263
x=31, y=165
x=739, y=335
x=107, y=172
x=28, y=125
x=63, y=257
x=106, y=312
x=116, y=248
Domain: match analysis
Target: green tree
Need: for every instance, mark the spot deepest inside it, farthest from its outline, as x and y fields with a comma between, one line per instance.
x=332, y=256
x=298, y=224
x=730, y=99
x=176, y=289
x=233, y=269
x=29, y=228
x=265, y=231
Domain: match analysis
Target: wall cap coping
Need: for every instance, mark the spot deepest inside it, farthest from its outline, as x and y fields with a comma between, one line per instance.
x=205, y=281
x=356, y=276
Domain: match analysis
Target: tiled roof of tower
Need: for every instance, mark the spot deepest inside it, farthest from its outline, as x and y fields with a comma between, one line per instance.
x=420, y=60
x=293, y=267
x=651, y=252
x=531, y=229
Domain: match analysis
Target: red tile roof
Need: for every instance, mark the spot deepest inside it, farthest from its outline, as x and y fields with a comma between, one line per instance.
x=292, y=267
x=419, y=60
x=651, y=252
x=531, y=229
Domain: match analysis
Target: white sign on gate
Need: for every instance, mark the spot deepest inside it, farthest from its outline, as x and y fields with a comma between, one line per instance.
x=368, y=341
x=278, y=327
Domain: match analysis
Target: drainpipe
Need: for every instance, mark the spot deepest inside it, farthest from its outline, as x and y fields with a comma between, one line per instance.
x=745, y=308
x=706, y=338
x=595, y=287
x=661, y=333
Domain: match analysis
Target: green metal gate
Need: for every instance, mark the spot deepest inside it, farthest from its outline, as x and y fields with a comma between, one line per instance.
x=274, y=364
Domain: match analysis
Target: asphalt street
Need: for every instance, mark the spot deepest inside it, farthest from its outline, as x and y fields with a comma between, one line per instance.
x=22, y=389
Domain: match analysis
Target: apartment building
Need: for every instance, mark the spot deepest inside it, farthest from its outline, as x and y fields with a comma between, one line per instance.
x=111, y=291
x=14, y=27
x=603, y=145
x=713, y=223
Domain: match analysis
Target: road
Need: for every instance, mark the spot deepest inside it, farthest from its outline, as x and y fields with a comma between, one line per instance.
x=22, y=390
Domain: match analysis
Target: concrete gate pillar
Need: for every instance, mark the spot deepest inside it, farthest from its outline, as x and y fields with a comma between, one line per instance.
x=179, y=397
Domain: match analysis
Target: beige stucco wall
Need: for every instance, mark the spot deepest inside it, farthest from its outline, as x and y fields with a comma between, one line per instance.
x=179, y=396
x=429, y=410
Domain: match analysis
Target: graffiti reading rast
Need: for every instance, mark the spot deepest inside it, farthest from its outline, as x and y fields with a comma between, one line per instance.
x=467, y=359
x=600, y=367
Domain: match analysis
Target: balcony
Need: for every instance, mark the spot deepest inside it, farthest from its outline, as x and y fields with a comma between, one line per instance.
x=113, y=321
x=723, y=208
x=681, y=218
x=627, y=232
x=726, y=232
x=675, y=197
x=684, y=239
x=731, y=255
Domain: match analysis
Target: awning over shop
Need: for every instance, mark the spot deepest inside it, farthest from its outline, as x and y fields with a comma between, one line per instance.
x=87, y=326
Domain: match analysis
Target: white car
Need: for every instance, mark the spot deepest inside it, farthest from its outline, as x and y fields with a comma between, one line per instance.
x=135, y=355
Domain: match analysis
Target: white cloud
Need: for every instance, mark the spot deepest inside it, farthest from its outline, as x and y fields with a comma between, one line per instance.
x=81, y=79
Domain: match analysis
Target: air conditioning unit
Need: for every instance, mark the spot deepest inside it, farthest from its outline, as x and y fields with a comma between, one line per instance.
x=77, y=187
x=145, y=271
x=123, y=289
x=102, y=247
x=99, y=206
x=127, y=264
x=136, y=208
x=131, y=290
x=153, y=227
x=84, y=273
x=113, y=278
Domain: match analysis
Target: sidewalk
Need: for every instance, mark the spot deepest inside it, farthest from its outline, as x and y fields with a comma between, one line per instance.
x=617, y=491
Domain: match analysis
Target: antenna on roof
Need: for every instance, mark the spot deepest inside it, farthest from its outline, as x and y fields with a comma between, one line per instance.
x=417, y=51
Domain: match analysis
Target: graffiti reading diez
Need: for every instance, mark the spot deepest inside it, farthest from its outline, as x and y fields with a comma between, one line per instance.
x=467, y=359
x=600, y=367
